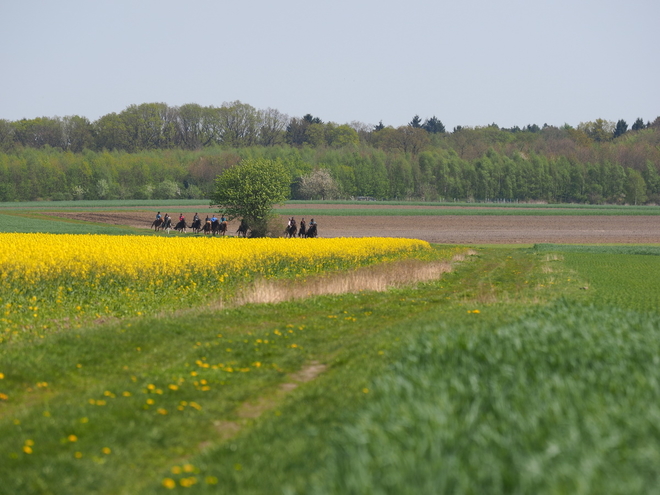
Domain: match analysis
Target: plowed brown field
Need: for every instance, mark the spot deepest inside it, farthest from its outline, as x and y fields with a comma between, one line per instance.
x=459, y=229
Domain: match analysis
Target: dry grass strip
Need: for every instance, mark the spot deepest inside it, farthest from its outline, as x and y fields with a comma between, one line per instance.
x=371, y=278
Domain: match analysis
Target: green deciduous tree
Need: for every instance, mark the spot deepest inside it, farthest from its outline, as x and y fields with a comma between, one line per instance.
x=342, y=135
x=6, y=136
x=635, y=187
x=600, y=130
x=39, y=132
x=250, y=190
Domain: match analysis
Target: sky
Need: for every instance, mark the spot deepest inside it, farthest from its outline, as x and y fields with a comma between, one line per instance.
x=468, y=63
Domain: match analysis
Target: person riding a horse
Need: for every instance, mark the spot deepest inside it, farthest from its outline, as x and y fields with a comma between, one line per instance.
x=312, y=232
x=292, y=227
x=302, y=231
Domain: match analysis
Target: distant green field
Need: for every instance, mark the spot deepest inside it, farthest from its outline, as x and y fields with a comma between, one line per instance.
x=619, y=276
x=361, y=208
x=137, y=203
x=26, y=224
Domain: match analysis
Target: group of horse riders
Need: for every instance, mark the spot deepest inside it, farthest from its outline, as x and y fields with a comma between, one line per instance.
x=211, y=225
x=214, y=225
x=303, y=231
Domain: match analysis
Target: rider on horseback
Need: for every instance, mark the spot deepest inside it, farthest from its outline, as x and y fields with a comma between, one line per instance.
x=292, y=228
x=311, y=232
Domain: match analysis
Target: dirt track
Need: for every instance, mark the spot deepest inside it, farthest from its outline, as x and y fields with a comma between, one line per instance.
x=459, y=229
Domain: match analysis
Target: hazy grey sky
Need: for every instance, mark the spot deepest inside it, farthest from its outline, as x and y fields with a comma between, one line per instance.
x=469, y=62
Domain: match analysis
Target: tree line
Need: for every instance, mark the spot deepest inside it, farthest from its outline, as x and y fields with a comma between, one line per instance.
x=160, y=152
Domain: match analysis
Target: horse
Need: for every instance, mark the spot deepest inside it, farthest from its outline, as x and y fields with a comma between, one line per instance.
x=157, y=224
x=218, y=227
x=311, y=231
x=291, y=230
x=242, y=230
x=302, y=231
x=181, y=226
x=196, y=226
x=167, y=224
x=208, y=227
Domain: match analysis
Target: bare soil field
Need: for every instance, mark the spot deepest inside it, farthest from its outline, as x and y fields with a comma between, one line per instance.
x=450, y=229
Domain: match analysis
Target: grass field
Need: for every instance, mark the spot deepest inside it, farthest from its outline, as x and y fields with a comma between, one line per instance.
x=28, y=223
x=521, y=370
x=351, y=208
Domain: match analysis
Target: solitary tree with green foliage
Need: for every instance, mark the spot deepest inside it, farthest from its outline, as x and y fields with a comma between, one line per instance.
x=250, y=190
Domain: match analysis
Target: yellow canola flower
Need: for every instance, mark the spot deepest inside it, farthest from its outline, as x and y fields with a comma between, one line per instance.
x=45, y=277
x=98, y=258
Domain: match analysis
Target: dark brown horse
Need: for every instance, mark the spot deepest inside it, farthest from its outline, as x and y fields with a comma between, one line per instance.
x=218, y=227
x=157, y=224
x=243, y=229
x=291, y=228
x=181, y=226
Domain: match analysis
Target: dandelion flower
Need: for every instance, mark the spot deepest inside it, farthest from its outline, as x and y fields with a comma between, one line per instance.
x=169, y=483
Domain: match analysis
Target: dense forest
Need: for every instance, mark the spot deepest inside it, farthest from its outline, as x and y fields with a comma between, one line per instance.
x=154, y=151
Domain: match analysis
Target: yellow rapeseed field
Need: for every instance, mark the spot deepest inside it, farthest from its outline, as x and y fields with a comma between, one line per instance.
x=48, y=276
